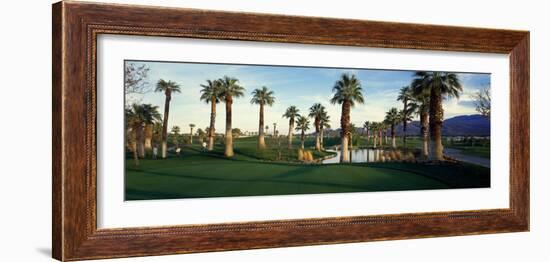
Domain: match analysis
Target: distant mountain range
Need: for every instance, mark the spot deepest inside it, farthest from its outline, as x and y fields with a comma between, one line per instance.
x=465, y=125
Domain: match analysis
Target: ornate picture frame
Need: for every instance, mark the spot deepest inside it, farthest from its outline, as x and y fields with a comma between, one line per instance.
x=76, y=26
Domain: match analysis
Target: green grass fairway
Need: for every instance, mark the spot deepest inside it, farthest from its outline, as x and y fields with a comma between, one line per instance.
x=197, y=174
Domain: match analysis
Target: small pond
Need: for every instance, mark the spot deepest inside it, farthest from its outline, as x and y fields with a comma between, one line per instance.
x=369, y=155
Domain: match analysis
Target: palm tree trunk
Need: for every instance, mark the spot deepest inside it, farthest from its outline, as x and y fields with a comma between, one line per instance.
x=290, y=129
x=425, y=135
x=261, y=139
x=228, y=122
x=321, y=136
x=140, y=141
x=317, y=133
x=405, y=123
x=211, y=130
x=191, y=136
x=436, y=123
x=134, y=149
x=344, y=123
x=149, y=139
x=302, y=138
x=380, y=141
x=393, y=145
x=134, y=143
x=350, y=147
x=344, y=151
x=164, y=146
x=374, y=140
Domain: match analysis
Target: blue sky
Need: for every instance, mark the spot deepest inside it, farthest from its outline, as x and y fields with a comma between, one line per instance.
x=299, y=86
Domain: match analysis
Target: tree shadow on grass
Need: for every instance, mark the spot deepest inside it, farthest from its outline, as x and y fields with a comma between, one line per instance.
x=286, y=174
x=136, y=194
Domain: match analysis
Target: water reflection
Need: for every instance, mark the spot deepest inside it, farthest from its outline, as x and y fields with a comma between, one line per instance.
x=372, y=155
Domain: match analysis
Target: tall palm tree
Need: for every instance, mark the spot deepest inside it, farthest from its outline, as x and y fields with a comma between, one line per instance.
x=325, y=123
x=439, y=85
x=302, y=125
x=229, y=89
x=168, y=87
x=423, y=110
x=191, y=126
x=316, y=111
x=262, y=97
x=291, y=113
x=347, y=92
x=210, y=93
x=405, y=95
x=392, y=119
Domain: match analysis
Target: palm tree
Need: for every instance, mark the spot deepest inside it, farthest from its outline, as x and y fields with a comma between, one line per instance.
x=316, y=111
x=168, y=87
x=229, y=89
x=366, y=126
x=422, y=101
x=405, y=95
x=381, y=129
x=201, y=134
x=149, y=115
x=211, y=94
x=303, y=126
x=176, y=134
x=133, y=124
x=291, y=113
x=347, y=91
x=406, y=116
x=143, y=116
x=325, y=123
x=262, y=97
x=275, y=130
x=438, y=85
x=157, y=132
x=375, y=128
x=191, y=126
x=352, y=132
x=392, y=119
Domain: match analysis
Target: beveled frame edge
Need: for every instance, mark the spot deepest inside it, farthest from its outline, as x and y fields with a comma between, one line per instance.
x=75, y=27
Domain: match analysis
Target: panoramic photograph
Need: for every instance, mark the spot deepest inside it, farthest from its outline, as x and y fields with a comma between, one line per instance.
x=200, y=130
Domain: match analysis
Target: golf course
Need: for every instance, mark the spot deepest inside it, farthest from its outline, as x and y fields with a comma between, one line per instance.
x=290, y=130
x=199, y=174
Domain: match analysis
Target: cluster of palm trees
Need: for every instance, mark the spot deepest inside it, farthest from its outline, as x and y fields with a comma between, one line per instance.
x=423, y=97
x=143, y=122
x=301, y=123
